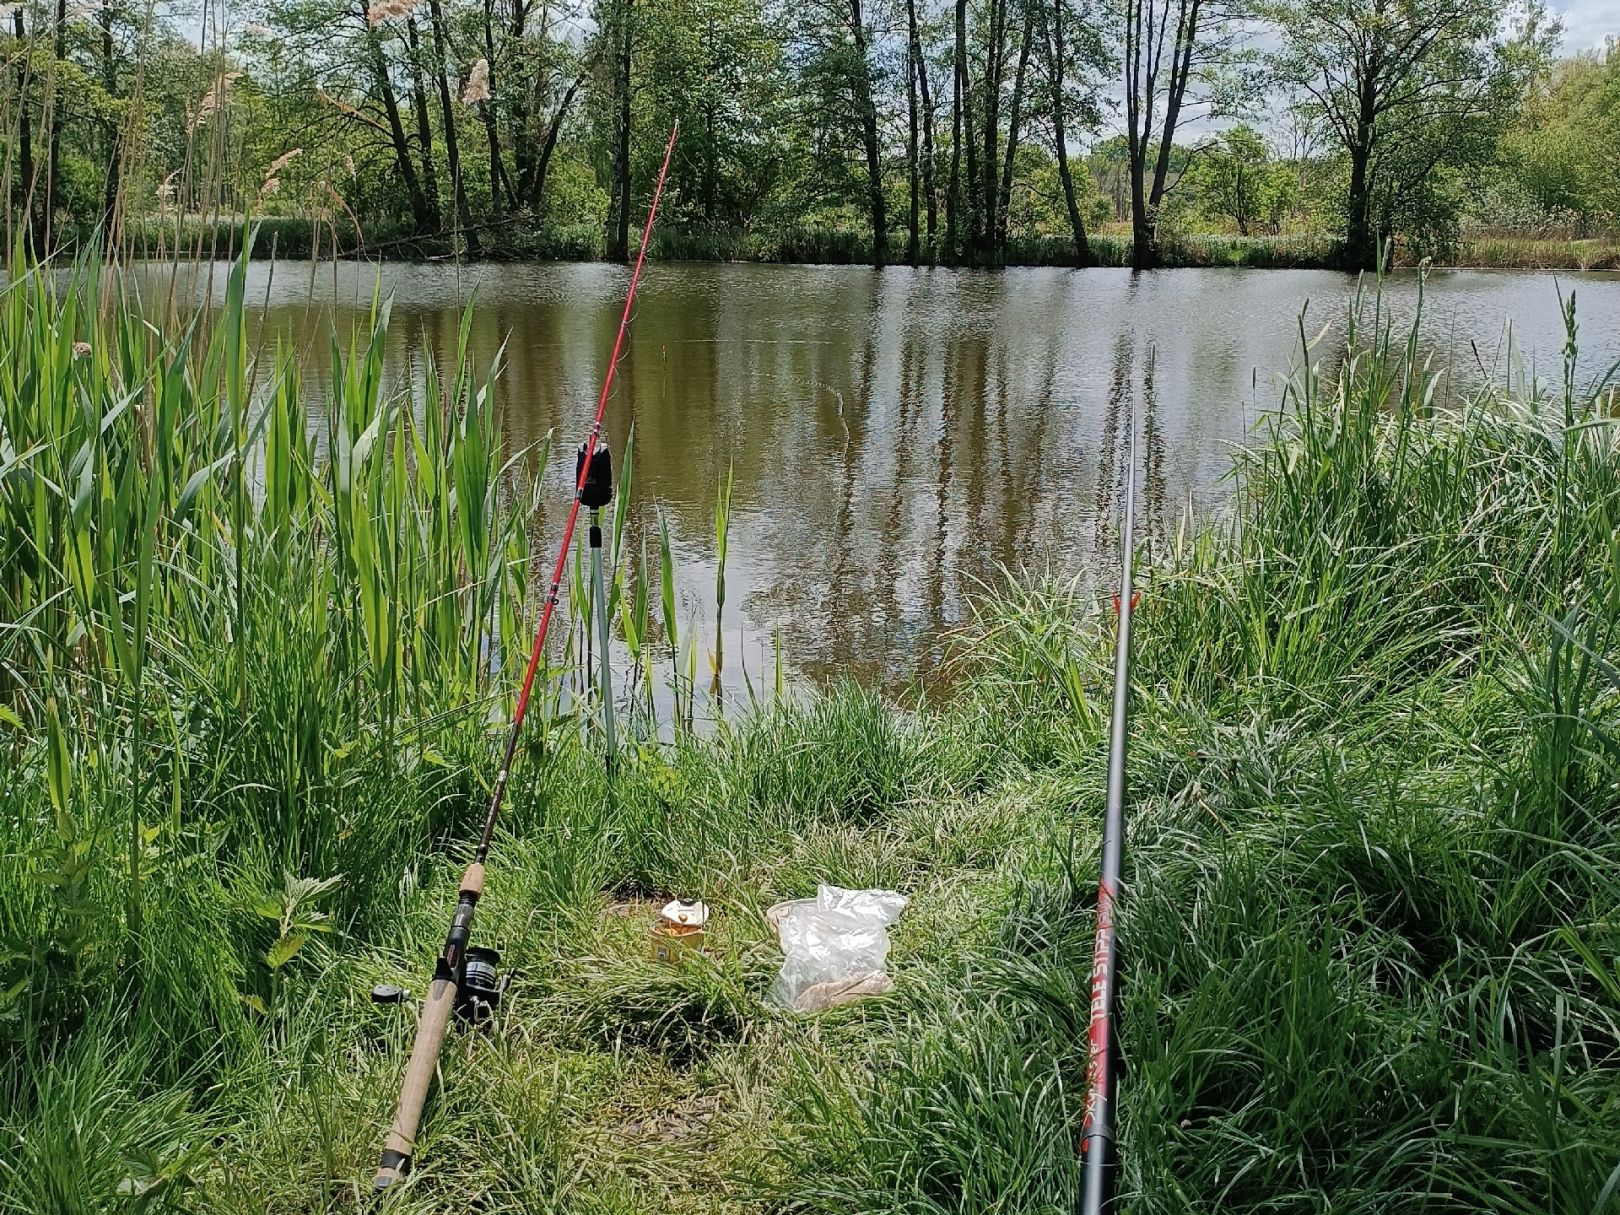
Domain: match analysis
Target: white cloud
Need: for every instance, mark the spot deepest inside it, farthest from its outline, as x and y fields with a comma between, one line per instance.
x=1587, y=23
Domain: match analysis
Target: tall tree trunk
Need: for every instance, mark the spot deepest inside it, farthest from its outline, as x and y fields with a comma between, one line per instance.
x=1180, y=74
x=1014, y=122
x=25, y=136
x=913, y=237
x=1360, y=243
x=421, y=216
x=867, y=108
x=520, y=89
x=1139, y=27
x=447, y=114
x=424, y=129
x=966, y=135
x=954, y=177
x=500, y=186
x=930, y=194
x=532, y=184
x=1146, y=32
x=537, y=190
x=1144, y=243
x=993, y=65
x=53, y=168
x=114, y=147
x=618, y=249
x=1055, y=55
x=498, y=182
x=1360, y=249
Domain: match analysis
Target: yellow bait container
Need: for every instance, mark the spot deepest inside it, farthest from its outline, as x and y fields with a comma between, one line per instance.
x=678, y=931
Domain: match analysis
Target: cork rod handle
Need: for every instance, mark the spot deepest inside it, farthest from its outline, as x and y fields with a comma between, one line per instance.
x=430, y=1031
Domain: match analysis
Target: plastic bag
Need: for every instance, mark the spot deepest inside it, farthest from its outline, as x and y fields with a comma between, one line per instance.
x=835, y=947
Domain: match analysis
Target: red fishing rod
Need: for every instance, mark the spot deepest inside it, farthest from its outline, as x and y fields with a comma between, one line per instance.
x=1097, y=1127
x=465, y=975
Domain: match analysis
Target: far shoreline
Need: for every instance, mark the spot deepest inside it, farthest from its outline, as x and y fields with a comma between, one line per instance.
x=295, y=240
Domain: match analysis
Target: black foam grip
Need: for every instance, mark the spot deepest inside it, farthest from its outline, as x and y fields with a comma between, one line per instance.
x=597, y=491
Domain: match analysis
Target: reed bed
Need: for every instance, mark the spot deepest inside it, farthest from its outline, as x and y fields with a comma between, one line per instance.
x=254, y=655
x=1534, y=253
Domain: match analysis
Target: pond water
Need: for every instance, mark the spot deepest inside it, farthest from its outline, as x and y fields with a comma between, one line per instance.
x=899, y=437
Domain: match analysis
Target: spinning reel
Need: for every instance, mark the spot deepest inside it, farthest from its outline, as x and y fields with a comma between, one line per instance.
x=479, y=987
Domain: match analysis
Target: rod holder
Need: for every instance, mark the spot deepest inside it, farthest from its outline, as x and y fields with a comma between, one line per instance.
x=605, y=670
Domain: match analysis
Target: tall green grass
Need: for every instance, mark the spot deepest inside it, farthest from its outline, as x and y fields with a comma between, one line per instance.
x=256, y=659
x=253, y=642
x=1375, y=844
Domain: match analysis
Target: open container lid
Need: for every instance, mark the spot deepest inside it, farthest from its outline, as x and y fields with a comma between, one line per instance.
x=686, y=915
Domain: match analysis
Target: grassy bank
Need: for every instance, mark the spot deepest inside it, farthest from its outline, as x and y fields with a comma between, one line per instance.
x=293, y=237
x=1370, y=930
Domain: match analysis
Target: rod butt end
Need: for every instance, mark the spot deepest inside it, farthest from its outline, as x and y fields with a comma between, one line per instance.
x=393, y=1168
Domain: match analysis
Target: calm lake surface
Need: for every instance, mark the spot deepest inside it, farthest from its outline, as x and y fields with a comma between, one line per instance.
x=900, y=436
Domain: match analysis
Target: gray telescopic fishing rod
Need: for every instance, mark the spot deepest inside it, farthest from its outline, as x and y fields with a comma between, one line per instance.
x=1097, y=1127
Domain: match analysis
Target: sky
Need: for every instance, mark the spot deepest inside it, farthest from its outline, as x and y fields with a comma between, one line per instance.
x=1587, y=22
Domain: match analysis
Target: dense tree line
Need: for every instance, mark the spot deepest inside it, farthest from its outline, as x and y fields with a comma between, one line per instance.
x=954, y=131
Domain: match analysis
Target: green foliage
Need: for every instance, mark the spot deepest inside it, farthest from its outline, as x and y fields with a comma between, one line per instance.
x=1562, y=149
x=1237, y=181
x=1412, y=96
x=332, y=123
x=79, y=1139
